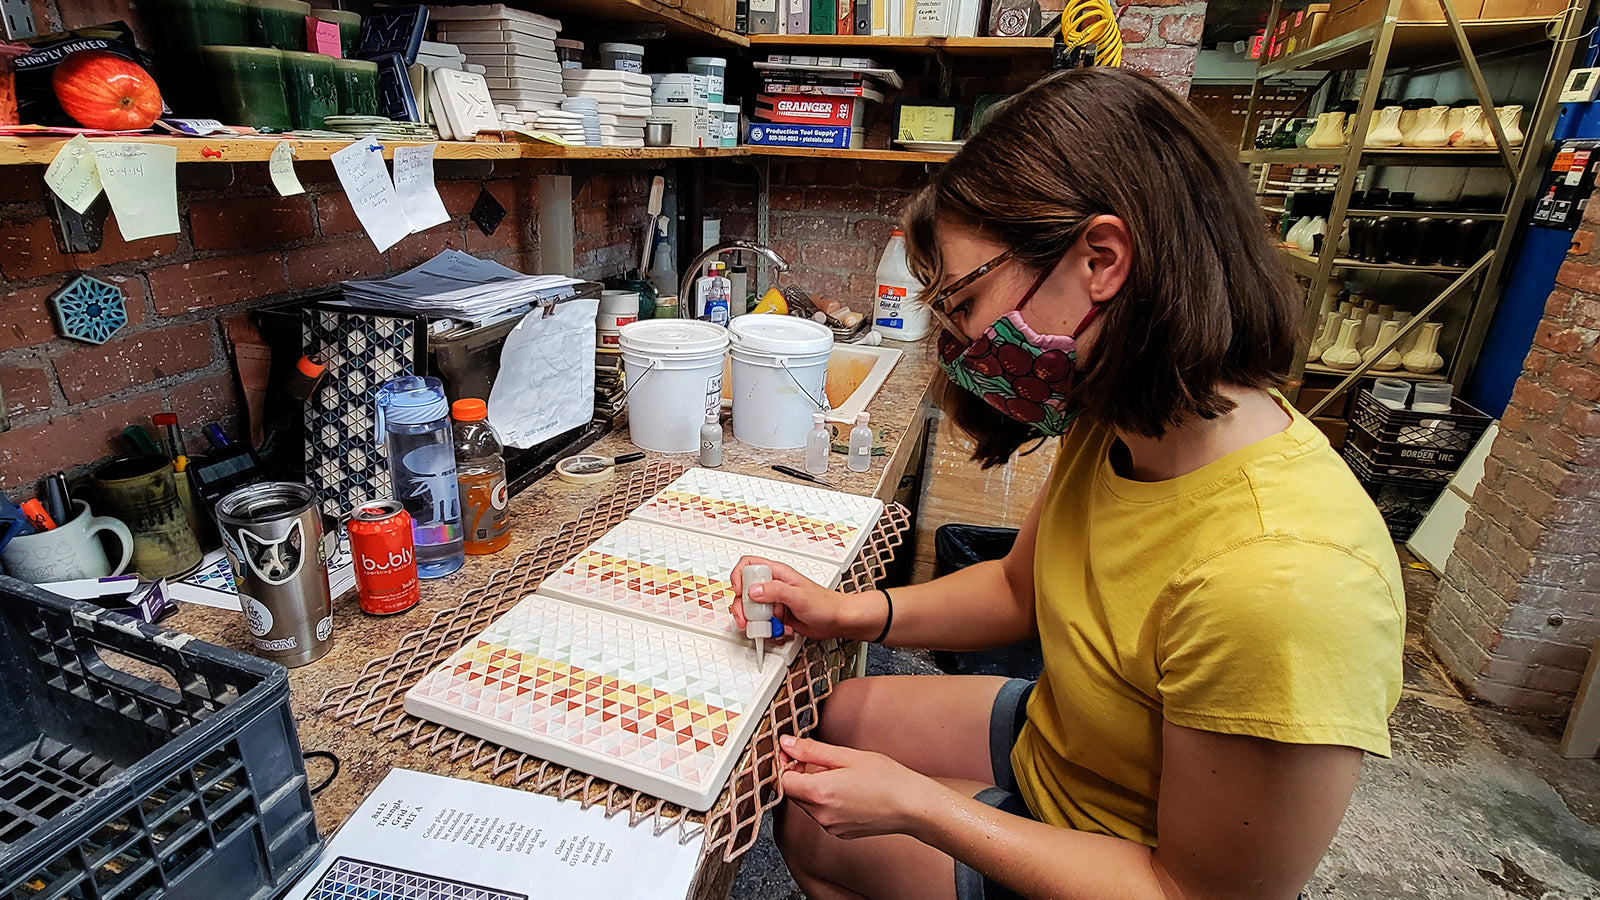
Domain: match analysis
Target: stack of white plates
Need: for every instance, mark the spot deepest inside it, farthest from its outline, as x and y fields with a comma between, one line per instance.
x=586, y=108
x=510, y=115
x=516, y=51
x=569, y=125
x=621, y=102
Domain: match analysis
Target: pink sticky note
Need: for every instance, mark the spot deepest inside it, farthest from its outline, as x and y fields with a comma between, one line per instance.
x=322, y=37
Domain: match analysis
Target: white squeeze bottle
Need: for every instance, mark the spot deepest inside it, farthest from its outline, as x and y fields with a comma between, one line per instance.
x=819, y=442
x=898, y=314
x=860, y=458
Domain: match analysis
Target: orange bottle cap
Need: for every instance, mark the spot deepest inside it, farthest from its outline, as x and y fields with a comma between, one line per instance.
x=310, y=367
x=470, y=410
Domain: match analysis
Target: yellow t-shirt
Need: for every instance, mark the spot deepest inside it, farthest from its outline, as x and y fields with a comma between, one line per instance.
x=1259, y=595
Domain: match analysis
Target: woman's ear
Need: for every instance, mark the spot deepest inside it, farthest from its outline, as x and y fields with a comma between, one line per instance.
x=1109, y=246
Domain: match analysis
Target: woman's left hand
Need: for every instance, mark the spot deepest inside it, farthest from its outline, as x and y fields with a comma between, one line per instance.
x=855, y=793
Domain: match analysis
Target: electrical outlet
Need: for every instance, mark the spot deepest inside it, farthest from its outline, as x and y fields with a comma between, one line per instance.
x=18, y=18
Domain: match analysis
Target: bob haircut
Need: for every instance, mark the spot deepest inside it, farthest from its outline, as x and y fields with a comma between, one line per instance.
x=1207, y=303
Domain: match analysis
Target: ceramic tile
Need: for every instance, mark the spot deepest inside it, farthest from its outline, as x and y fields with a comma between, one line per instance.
x=354, y=879
x=646, y=705
x=670, y=574
x=829, y=525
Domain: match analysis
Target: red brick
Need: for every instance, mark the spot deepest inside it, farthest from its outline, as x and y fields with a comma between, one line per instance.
x=1136, y=27
x=25, y=317
x=739, y=225
x=809, y=228
x=72, y=440
x=249, y=222
x=1181, y=29
x=1550, y=439
x=1511, y=420
x=1584, y=311
x=221, y=281
x=863, y=289
x=1579, y=276
x=1556, y=306
x=28, y=249
x=329, y=262
x=786, y=199
x=513, y=234
x=26, y=389
x=850, y=257
x=1172, y=65
x=1533, y=396
x=1581, y=382
x=1536, y=362
x=419, y=248
x=1557, y=339
x=875, y=232
x=201, y=401
x=92, y=372
x=22, y=184
x=809, y=172
x=334, y=215
x=1583, y=421
x=1582, y=243
x=890, y=203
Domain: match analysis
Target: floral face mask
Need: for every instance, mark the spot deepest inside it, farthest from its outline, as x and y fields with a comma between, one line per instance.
x=1024, y=374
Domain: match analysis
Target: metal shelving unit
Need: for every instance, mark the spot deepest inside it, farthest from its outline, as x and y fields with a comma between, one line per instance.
x=1389, y=48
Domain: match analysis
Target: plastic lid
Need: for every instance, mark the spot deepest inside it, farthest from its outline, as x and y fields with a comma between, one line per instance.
x=861, y=418
x=469, y=410
x=819, y=418
x=711, y=417
x=897, y=233
x=165, y=418
x=623, y=48
x=674, y=338
x=786, y=335
x=412, y=400
x=310, y=367
x=707, y=61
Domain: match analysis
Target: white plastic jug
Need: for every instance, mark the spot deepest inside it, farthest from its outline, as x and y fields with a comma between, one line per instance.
x=898, y=313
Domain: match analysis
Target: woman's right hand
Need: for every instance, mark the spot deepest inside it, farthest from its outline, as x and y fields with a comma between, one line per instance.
x=802, y=605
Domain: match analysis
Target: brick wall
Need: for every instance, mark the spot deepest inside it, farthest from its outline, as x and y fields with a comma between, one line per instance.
x=1519, y=605
x=241, y=247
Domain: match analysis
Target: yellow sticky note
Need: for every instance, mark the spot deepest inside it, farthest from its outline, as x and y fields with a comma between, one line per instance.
x=927, y=123
x=73, y=174
x=141, y=181
x=281, y=167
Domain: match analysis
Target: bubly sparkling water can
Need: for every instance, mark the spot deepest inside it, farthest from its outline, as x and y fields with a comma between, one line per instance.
x=273, y=535
x=385, y=558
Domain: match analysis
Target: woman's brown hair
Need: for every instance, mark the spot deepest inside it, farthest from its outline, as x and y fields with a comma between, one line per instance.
x=1208, y=302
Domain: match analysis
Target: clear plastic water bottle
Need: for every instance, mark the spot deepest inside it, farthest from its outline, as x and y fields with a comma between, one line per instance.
x=413, y=422
x=481, y=477
x=860, y=458
x=819, y=443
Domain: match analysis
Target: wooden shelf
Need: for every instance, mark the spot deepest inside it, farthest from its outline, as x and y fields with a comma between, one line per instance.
x=41, y=150
x=956, y=46
x=1402, y=374
x=1377, y=156
x=1415, y=44
x=884, y=156
x=679, y=22
x=1305, y=265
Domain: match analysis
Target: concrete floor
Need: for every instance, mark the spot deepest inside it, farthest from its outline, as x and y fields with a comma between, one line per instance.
x=1475, y=803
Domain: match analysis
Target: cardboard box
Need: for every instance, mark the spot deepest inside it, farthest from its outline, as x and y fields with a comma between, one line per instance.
x=779, y=135
x=717, y=12
x=1346, y=16
x=1517, y=9
x=805, y=109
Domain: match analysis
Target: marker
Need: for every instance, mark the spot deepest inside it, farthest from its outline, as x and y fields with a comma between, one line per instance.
x=759, y=621
x=218, y=437
x=140, y=440
x=35, y=513
x=180, y=460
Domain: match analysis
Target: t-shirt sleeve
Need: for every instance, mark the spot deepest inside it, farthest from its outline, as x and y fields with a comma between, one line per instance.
x=1288, y=640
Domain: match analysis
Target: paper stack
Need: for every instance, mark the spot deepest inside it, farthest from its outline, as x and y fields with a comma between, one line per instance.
x=516, y=49
x=457, y=285
x=622, y=102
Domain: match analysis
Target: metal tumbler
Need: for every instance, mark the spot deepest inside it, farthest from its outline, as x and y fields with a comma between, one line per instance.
x=273, y=535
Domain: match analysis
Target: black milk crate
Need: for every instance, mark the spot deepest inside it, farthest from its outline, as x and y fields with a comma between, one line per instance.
x=1402, y=501
x=1421, y=440
x=141, y=764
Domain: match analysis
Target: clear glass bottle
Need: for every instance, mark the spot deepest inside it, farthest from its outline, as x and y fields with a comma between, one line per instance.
x=711, y=441
x=413, y=424
x=860, y=458
x=481, y=476
x=819, y=443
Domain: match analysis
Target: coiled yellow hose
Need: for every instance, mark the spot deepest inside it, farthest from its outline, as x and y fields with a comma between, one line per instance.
x=1086, y=22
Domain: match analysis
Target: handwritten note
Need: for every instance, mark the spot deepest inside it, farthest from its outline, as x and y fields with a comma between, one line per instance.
x=281, y=167
x=73, y=175
x=413, y=182
x=141, y=181
x=371, y=193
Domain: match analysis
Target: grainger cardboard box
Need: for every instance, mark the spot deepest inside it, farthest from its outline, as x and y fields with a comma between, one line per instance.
x=1348, y=15
x=1517, y=9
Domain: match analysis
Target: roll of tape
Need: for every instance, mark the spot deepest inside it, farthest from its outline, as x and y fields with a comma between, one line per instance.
x=564, y=470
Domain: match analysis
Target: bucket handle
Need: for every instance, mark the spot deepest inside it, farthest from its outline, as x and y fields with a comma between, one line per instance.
x=783, y=362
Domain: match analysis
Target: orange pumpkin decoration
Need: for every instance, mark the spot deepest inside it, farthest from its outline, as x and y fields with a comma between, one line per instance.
x=107, y=91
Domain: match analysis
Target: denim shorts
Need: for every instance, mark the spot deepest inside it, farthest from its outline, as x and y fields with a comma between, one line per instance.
x=1010, y=713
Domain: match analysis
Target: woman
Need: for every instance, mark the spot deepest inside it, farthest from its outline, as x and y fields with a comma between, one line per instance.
x=1218, y=602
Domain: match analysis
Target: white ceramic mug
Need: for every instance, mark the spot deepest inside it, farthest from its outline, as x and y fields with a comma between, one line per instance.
x=69, y=551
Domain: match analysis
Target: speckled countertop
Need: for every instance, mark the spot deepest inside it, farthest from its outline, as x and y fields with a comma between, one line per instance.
x=536, y=513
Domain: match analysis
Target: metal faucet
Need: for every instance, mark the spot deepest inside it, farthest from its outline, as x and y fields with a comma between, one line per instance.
x=686, y=300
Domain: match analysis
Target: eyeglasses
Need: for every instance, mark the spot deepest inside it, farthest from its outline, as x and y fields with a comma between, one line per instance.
x=936, y=302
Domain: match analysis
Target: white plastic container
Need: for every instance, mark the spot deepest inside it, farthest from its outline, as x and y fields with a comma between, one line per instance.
x=617, y=308
x=780, y=367
x=683, y=120
x=898, y=312
x=674, y=377
x=713, y=67
x=730, y=125
x=622, y=57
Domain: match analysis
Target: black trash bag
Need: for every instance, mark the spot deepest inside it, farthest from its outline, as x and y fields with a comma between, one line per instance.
x=956, y=547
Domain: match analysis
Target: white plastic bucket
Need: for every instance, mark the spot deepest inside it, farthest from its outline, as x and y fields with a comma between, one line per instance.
x=617, y=308
x=622, y=57
x=713, y=68
x=674, y=376
x=780, y=367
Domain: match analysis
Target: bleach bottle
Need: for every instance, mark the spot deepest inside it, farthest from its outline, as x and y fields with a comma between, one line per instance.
x=899, y=314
